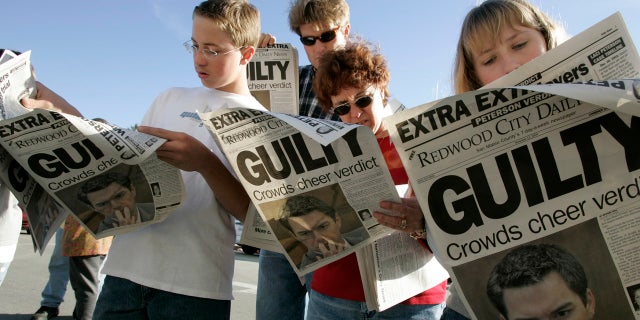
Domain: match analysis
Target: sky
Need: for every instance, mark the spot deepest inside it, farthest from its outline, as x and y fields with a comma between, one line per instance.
x=110, y=59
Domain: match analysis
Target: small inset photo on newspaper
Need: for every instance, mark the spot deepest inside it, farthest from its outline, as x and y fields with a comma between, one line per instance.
x=315, y=225
x=572, y=265
x=634, y=297
x=115, y=198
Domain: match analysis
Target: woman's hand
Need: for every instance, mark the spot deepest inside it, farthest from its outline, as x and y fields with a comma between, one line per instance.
x=405, y=216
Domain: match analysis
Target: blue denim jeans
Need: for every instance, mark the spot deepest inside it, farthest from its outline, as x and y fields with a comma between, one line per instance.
x=56, y=287
x=122, y=299
x=322, y=307
x=281, y=295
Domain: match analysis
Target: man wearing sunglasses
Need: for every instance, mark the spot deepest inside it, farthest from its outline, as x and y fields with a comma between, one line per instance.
x=323, y=25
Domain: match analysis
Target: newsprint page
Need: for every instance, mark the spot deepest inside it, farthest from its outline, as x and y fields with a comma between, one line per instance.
x=57, y=164
x=551, y=162
x=273, y=77
x=284, y=160
x=287, y=162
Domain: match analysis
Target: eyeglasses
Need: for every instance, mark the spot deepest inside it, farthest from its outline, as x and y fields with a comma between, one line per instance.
x=209, y=54
x=361, y=103
x=324, y=37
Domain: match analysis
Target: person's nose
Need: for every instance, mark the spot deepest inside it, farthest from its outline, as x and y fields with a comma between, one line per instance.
x=317, y=239
x=510, y=63
x=354, y=111
x=199, y=58
x=321, y=48
x=116, y=204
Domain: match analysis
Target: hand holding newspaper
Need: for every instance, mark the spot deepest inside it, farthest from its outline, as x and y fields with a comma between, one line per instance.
x=16, y=82
x=495, y=169
x=55, y=163
x=312, y=180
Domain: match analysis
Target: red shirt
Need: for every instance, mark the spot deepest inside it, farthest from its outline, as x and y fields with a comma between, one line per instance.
x=341, y=279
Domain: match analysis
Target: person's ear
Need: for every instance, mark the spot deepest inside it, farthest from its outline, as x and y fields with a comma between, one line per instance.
x=347, y=29
x=247, y=54
x=591, y=304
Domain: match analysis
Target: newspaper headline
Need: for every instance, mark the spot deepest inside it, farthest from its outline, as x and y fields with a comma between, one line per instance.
x=57, y=163
x=551, y=162
x=272, y=75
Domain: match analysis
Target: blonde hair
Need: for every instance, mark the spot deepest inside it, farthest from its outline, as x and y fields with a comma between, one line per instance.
x=318, y=12
x=239, y=19
x=485, y=22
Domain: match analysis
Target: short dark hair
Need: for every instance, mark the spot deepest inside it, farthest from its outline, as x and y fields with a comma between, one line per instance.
x=299, y=205
x=102, y=181
x=528, y=265
x=318, y=12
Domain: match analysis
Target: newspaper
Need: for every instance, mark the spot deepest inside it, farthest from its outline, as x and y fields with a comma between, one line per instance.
x=16, y=82
x=257, y=233
x=397, y=267
x=50, y=161
x=551, y=163
x=393, y=268
x=280, y=156
x=273, y=77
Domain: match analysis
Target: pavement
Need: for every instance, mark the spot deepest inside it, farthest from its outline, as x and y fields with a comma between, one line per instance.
x=20, y=291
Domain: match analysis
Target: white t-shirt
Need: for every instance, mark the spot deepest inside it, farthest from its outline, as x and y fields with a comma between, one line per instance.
x=10, y=218
x=10, y=225
x=191, y=251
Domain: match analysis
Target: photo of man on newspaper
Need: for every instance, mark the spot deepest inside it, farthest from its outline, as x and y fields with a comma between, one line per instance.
x=320, y=220
x=540, y=281
x=582, y=244
x=113, y=199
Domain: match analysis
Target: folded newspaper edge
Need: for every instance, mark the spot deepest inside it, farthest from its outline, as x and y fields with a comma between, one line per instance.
x=273, y=77
x=49, y=158
x=543, y=155
x=282, y=158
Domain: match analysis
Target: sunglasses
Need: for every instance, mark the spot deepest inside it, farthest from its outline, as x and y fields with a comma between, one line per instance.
x=361, y=103
x=324, y=37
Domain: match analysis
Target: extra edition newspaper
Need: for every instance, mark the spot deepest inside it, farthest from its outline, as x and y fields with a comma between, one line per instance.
x=287, y=161
x=273, y=77
x=54, y=163
x=556, y=163
x=278, y=160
